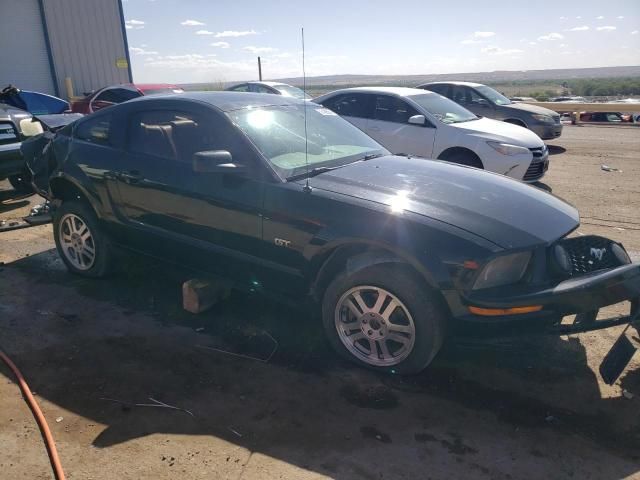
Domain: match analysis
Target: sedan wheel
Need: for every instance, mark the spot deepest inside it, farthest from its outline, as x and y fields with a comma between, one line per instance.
x=77, y=242
x=375, y=326
x=82, y=245
x=384, y=317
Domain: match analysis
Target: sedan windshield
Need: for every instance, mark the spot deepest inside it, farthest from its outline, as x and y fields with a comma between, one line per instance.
x=291, y=91
x=445, y=110
x=493, y=96
x=279, y=133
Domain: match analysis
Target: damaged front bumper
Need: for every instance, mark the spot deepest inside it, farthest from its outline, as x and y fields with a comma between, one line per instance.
x=583, y=297
x=580, y=296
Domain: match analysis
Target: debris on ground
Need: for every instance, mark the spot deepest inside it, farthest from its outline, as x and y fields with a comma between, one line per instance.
x=627, y=394
x=156, y=403
x=234, y=431
x=246, y=356
x=59, y=419
x=607, y=168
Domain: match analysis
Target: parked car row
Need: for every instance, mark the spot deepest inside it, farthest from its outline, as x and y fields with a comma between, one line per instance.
x=283, y=195
x=422, y=123
x=115, y=94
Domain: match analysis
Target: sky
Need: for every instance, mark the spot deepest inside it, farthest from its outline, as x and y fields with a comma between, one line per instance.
x=188, y=41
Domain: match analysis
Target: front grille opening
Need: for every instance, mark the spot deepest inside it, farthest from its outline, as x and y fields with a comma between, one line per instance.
x=589, y=254
x=8, y=133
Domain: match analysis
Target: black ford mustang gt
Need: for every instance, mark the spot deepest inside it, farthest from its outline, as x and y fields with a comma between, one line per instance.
x=399, y=252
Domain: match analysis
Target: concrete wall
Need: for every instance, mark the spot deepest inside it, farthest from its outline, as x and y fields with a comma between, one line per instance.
x=87, y=38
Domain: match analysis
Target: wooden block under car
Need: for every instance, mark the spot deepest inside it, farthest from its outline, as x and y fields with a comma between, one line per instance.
x=200, y=295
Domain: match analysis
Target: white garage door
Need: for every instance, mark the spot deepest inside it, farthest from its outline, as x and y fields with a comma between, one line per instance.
x=23, y=53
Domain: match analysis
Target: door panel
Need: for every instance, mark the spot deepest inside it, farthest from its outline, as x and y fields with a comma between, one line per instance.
x=390, y=127
x=209, y=220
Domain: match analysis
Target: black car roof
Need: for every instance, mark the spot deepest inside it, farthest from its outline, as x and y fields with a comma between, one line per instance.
x=228, y=101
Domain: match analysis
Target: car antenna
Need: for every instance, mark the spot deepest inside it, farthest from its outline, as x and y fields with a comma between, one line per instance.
x=307, y=188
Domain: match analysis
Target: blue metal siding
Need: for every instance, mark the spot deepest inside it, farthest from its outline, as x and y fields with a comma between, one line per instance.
x=24, y=61
x=86, y=37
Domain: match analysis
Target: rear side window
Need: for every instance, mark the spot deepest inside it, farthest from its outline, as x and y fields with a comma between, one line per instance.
x=393, y=109
x=175, y=135
x=117, y=95
x=440, y=89
x=95, y=130
x=260, y=89
x=240, y=88
x=350, y=105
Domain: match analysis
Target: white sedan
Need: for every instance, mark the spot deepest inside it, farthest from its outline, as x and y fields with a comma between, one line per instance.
x=417, y=122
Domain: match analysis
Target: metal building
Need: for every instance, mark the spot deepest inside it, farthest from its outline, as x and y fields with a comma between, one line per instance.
x=46, y=41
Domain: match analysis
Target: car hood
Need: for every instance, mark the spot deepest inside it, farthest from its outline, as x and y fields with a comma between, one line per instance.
x=530, y=108
x=501, y=132
x=13, y=114
x=506, y=212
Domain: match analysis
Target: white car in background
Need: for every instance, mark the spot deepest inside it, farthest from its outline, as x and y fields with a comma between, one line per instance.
x=422, y=123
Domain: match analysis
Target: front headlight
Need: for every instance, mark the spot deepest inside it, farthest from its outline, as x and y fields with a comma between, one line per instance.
x=507, y=149
x=543, y=118
x=503, y=270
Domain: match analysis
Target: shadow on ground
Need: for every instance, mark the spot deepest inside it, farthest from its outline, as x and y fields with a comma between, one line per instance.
x=305, y=399
x=543, y=186
x=556, y=149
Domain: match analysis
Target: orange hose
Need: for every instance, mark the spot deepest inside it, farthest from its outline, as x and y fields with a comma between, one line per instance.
x=37, y=413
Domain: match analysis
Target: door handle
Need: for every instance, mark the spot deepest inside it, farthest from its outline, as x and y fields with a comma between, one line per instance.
x=132, y=176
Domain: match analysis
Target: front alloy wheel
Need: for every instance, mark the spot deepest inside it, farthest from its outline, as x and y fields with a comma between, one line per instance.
x=384, y=317
x=375, y=326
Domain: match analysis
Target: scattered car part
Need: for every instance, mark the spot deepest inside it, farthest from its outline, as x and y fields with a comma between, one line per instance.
x=33, y=102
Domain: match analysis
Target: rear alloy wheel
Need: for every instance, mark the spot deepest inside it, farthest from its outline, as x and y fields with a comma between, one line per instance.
x=384, y=317
x=84, y=249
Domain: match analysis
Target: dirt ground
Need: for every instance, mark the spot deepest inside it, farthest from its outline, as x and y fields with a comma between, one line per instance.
x=526, y=408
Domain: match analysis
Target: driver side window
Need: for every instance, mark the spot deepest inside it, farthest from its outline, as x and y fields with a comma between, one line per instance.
x=393, y=109
x=175, y=135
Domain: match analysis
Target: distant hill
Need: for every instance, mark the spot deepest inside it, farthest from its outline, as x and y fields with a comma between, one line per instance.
x=498, y=76
x=480, y=77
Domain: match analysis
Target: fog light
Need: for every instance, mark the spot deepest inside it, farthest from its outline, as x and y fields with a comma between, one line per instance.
x=562, y=260
x=620, y=253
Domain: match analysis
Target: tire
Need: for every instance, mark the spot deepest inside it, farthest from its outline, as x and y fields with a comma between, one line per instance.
x=86, y=238
x=21, y=183
x=462, y=157
x=425, y=312
x=516, y=122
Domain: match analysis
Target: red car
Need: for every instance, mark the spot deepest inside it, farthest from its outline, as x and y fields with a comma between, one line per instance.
x=114, y=94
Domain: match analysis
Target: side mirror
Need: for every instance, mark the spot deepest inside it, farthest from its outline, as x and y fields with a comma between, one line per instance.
x=417, y=120
x=216, y=161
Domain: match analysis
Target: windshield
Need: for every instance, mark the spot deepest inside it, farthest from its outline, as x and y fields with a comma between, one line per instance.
x=279, y=133
x=291, y=91
x=493, y=96
x=445, y=110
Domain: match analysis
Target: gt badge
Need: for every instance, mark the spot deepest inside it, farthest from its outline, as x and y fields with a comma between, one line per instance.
x=280, y=242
